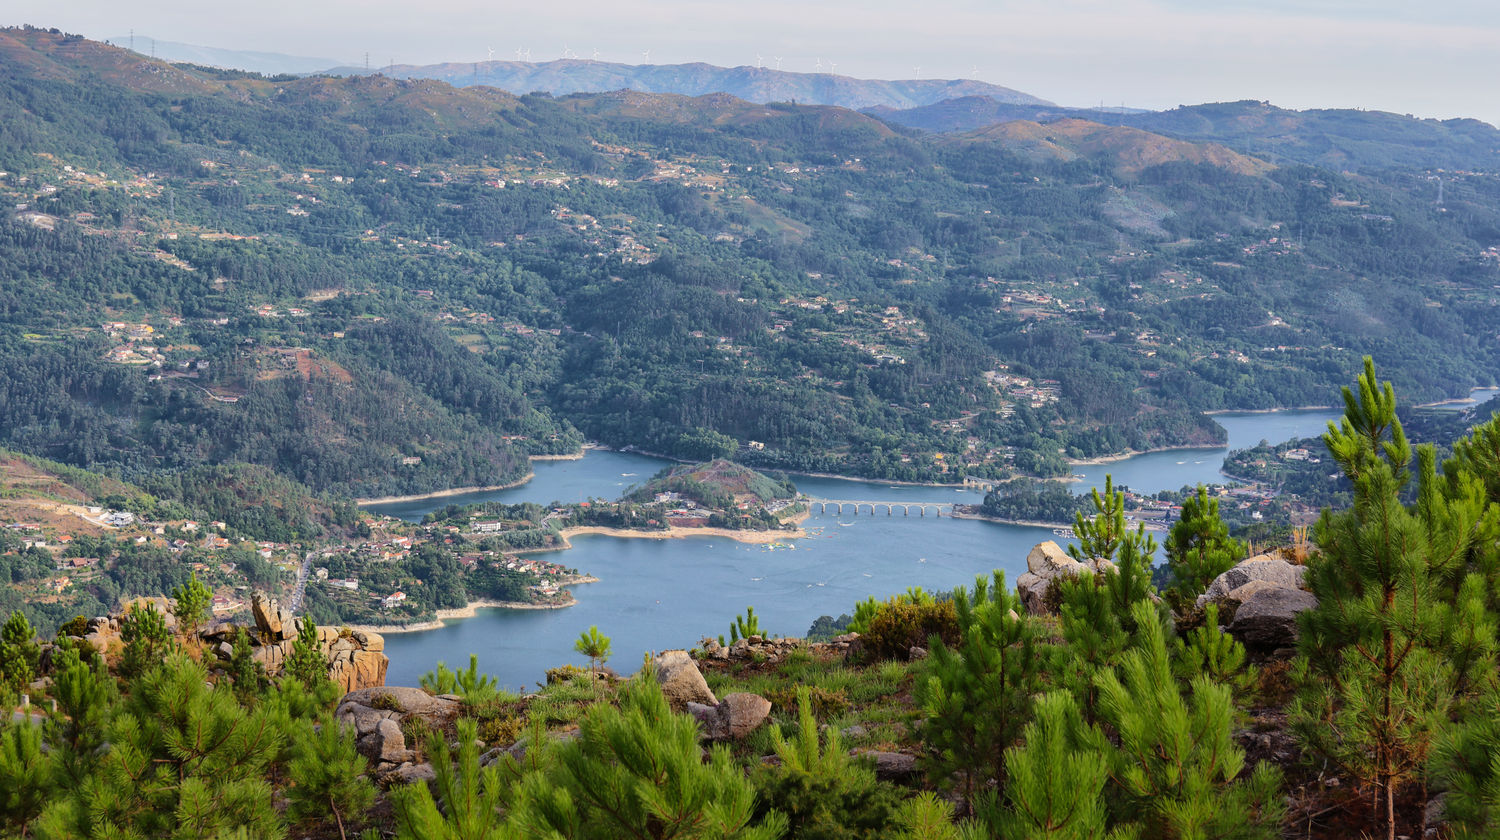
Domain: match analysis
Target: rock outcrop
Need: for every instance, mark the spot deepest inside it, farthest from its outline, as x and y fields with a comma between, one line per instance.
x=1267, y=618
x=681, y=681
x=734, y=717
x=1044, y=564
x=1262, y=567
x=1260, y=599
x=377, y=716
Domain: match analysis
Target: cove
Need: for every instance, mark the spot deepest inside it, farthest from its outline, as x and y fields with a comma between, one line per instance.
x=660, y=594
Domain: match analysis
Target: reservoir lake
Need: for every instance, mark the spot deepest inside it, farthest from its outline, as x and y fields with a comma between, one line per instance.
x=660, y=594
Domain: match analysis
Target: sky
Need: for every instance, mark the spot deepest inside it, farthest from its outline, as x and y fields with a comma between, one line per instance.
x=1432, y=58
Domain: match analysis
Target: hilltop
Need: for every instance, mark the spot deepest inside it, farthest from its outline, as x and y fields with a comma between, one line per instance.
x=375, y=286
x=752, y=84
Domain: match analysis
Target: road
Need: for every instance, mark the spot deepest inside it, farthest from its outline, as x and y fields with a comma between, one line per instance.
x=294, y=602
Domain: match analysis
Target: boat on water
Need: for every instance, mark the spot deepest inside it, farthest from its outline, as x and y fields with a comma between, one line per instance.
x=1066, y=533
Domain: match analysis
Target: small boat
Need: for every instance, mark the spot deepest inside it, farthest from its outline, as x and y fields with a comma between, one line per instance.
x=1182, y=462
x=626, y=475
x=845, y=524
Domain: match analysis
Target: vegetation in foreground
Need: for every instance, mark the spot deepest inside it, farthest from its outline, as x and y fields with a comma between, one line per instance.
x=1123, y=715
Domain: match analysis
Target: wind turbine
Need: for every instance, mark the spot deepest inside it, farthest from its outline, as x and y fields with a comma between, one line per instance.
x=595, y=57
x=567, y=53
x=518, y=53
x=818, y=68
x=832, y=65
x=528, y=54
x=917, y=70
x=492, y=54
x=974, y=72
x=758, y=61
x=646, y=54
x=778, y=62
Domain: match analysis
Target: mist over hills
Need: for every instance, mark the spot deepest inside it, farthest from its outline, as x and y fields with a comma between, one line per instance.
x=752, y=84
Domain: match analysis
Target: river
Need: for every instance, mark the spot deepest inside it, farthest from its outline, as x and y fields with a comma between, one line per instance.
x=660, y=594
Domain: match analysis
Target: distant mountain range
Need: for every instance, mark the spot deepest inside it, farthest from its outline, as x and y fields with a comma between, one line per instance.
x=269, y=63
x=1336, y=138
x=752, y=84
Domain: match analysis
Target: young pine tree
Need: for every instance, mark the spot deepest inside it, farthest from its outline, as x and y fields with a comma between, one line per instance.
x=638, y=771
x=19, y=653
x=594, y=645
x=472, y=796
x=85, y=695
x=307, y=664
x=824, y=793
x=1199, y=549
x=327, y=775
x=1378, y=680
x=185, y=761
x=1466, y=762
x=1209, y=651
x=1099, y=536
x=975, y=698
x=190, y=604
x=24, y=776
x=1056, y=780
x=1177, y=763
x=147, y=642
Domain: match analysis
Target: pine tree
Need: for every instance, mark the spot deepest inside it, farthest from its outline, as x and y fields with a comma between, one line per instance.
x=1209, y=651
x=472, y=796
x=327, y=775
x=975, y=698
x=595, y=646
x=245, y=672
x=307, y=663
x=823, y=792
x=1056, y=780
x=475, y=688
x=1177, y=762
x=24, y=772
x=147, y=642
x=1199, y=549
x=1466, y=762
x=1099, y=536
x=85, y=695
x=638, y=771
x=1379, y=679
x=191, y=602
x=185, y=761
x=19, y=653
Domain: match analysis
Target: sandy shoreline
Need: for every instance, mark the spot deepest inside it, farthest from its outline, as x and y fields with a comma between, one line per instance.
x=752, y=537
x=1110, y=459
x=469, y=611
x=1219, y=411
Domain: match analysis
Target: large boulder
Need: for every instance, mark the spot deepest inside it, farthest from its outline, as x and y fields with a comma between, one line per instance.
x=1264, y=567
x=268, y=616
x=736, y=716
x=385, y=743
x=1267, y=618
x=405, y=701
x=1046, y=563
x=681, y=681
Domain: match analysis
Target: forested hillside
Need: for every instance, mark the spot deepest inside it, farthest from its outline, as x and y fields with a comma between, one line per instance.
x=378, y=286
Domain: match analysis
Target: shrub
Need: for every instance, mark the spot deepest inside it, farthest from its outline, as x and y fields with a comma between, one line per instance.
x=900, y=624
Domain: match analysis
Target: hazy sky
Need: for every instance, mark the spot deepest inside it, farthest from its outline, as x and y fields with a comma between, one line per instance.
x=1438, y=58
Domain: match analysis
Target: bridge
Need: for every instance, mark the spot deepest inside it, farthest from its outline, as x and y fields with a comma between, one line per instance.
x=838, y=506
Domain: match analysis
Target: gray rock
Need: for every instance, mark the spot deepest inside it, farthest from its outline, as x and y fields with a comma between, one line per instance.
x=385, y=744
x=1264, y=567
x=409, y=773
x=362, y=718
x=891, y=766
x=736, y=716
x=1044, y=564
x=407, y=699
x=1268, y=619
x=915, y=653
x=681, y=681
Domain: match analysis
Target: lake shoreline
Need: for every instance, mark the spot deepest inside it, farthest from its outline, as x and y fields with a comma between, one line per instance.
x=750, y=537
x=488, y=488
x=1024, y=523
x=1132, y=453
x=469, y=611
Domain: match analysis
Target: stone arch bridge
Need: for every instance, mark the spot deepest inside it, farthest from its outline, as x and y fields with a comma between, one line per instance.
x=840, y=506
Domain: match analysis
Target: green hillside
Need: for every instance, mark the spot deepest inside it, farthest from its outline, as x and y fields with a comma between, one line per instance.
x=376, y=286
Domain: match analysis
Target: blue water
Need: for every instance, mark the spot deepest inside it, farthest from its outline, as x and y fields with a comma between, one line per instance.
x=660, y=594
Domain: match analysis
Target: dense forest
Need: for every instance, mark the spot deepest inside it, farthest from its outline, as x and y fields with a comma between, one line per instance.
x=374, y=286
